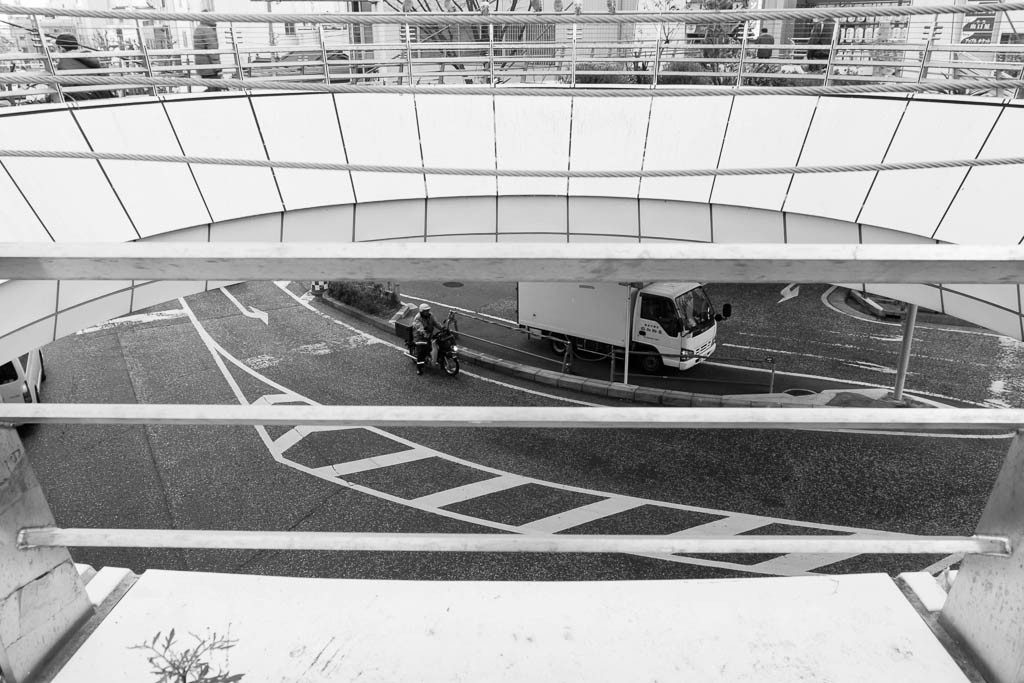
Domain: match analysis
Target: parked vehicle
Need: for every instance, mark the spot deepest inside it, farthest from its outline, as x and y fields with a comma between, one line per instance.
x=670, y=324
x=21, y=379
x=444, y=350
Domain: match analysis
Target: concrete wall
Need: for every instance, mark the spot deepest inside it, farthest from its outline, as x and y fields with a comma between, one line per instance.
x=87, y=201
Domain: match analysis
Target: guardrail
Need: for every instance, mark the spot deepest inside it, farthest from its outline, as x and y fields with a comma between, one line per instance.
x=889, y=46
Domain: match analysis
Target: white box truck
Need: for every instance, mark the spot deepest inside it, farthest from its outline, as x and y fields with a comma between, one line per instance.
x=670, y=324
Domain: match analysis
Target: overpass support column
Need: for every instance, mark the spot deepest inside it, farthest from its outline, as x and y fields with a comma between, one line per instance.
x=985, y=607
x=42, y=599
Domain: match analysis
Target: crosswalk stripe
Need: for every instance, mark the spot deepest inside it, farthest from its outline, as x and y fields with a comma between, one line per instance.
x=581, y=515
x=474, y=490
x=287, y=440
x=788, y=565
x=732, y=525
x=378, y=461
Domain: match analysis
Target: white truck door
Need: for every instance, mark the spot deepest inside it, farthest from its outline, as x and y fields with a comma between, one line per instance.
x=658, y=325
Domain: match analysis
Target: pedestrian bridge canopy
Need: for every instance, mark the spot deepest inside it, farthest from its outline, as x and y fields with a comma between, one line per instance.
x=558, y=131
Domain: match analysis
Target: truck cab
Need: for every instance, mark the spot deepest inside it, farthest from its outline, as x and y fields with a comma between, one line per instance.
x=678, y=321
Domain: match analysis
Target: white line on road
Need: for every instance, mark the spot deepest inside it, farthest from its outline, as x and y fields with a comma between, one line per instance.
x=138, y=318
x=247, y=311
x=378, y=461
x=470, y=491
x=582, y=515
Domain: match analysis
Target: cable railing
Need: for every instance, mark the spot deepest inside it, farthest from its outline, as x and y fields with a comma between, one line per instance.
x=823, y=48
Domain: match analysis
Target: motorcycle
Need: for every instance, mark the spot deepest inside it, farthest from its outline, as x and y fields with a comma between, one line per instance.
x=445, y=350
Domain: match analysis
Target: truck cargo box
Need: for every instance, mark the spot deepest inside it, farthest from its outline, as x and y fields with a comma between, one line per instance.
x=590, y=310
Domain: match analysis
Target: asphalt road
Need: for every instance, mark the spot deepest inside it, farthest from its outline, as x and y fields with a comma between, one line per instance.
x=483, y=480
x=814, y=341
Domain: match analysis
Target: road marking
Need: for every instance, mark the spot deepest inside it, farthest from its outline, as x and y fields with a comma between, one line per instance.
x=330, y=473
x=790, y=565
x=379, y=461
x=247, y=311
x=731, y=525
x=470, y=491
x=582, y=515
x=135, y=319
x=790, y=291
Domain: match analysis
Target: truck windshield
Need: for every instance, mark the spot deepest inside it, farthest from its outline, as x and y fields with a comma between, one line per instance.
x=695, y=310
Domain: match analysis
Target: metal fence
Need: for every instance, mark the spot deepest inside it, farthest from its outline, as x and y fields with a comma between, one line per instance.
x=630, y=53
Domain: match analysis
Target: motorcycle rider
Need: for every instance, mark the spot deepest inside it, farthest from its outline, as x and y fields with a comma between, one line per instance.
x=423, y=329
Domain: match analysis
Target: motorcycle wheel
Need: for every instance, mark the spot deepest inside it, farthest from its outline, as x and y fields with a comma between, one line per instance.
x=450, y=365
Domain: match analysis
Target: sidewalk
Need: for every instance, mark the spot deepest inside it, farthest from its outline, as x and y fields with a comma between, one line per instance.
x=860, y=398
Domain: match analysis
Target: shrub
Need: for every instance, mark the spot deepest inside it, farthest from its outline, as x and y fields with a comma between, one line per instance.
x=370, y=297
x=675, y=74
x=623, y=77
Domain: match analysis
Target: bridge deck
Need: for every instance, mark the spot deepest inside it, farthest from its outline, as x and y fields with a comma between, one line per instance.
x=837, y=628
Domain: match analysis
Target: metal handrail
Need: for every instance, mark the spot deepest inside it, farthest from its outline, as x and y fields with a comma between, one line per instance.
x=576, y=59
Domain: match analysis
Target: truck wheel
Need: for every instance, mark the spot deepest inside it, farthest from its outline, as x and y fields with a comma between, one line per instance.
x=559, y=345
x=650, y=363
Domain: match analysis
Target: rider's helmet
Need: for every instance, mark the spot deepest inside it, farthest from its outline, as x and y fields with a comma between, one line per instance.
x=424, y=307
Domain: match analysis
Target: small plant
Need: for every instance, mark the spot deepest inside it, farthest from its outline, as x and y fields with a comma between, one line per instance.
x=187, y=666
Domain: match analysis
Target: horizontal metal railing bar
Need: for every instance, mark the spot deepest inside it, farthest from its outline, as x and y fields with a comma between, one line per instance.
x=505, y=18
x=519, y=417
x=593, y=262
x=483, y=543
x=549, y=89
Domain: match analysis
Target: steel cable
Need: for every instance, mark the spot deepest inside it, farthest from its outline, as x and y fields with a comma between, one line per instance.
x=509, y=172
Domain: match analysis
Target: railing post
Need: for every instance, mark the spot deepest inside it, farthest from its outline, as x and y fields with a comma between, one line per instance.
x=47, y=58
x=323, y=53
x=983, y=609
x=657, y=59
x=238, y=56
x=42, y=599
x=490, y=49
x=572, y=63
x=408, y=51
x=922, y=73
x=743, y=54
x=832, y=52
x=145, y=54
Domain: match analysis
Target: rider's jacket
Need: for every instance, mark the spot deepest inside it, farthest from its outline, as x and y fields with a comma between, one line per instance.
x=423, y=328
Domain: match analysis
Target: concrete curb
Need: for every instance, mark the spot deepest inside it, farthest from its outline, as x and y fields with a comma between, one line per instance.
x=585, y=385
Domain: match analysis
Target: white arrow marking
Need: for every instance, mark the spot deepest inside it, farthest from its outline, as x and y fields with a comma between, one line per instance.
x=247, y=311
x=790, y=291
